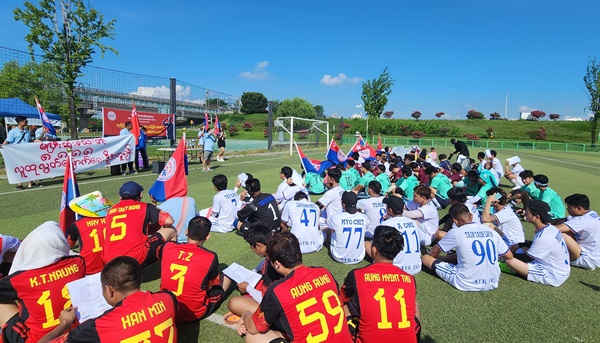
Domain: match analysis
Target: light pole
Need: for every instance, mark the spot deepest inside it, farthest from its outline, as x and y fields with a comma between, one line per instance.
x=367, y=129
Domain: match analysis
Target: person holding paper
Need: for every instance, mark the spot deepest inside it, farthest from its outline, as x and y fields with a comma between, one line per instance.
x=191, y=272
x=32, y=282
x=289, y=301
x=513, y=173
x=136, y=315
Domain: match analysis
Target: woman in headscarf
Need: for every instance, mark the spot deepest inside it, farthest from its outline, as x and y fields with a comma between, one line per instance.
x=37, y=281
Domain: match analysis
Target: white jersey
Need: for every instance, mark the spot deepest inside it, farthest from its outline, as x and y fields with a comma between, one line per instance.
x=375, y=209
x=279, y=193
x=549, y=250
x=347, y=240
x=409, y=259
x=498, y=168
x=507, y=221
x=332, y=200
x=225, y=204
x=290, y=191
x=430, y=221
x=587, y=233
x=303, y=217
x=477, y=250
x=474, y=211
x=8, y=244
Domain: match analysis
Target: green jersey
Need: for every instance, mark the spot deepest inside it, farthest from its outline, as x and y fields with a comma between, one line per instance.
x=550, y=197
x=408, y=186
x=314, y=183
x=442, y=184
x=365, y=179
x=533, y=191
x=384, y=180
x=355, y=176
x=347, y=180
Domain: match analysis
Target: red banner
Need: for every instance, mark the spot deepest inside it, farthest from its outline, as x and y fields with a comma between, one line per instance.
x=156, y=124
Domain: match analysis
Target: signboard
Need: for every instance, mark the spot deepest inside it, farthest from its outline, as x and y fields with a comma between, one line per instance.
x=157, y=125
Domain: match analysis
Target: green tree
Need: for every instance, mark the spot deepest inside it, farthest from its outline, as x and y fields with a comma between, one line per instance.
x=296, y=107
x=592, y=83
x=254, y=102
x=375, y=93
x=319, y=112
x=67, y=32
x=31, y=80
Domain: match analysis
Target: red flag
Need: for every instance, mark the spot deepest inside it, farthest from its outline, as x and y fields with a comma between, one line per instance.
x=379, y=145
x=205, y=121
x=217, y=125
x=70, y=191
x=44, y=118
x=172, y=182
x=135, y=123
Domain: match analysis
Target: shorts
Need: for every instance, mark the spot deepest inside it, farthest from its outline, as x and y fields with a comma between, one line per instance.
x=15, y=330
x=449, y=273
x=221, y=144
x=207, y=155
x=218, y=226
x=540, y=274
x=443, y=202
x=154, y=241
x=585, y=261
x=214, y=297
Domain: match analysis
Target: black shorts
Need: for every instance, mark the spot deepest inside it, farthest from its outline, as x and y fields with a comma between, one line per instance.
x=221, y=144
x=15, y=330
x=214, y=298
x=154, y=241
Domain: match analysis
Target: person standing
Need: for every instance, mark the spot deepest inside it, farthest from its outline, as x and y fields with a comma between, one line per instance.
x=221, y=137
x=209, y=144
x=20, y=135
x=140, y=150
x=461, y=148
x=124, y=132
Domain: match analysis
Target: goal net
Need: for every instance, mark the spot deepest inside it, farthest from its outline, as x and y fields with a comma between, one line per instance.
x=305, y=132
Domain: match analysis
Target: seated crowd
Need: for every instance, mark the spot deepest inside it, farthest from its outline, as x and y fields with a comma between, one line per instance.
x=384, y=209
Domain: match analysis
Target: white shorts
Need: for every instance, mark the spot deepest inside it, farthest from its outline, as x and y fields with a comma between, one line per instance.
x=449, y=273
x=585, y=261
x=218, y=226
x=539, y=274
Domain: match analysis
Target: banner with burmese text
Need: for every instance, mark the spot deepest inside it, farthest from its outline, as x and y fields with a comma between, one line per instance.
x=157, y=125
x=43, y=160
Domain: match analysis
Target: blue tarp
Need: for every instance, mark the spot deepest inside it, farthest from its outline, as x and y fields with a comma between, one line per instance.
x=16, y=107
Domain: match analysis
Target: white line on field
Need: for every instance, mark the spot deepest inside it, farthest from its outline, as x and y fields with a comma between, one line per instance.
x=561, y=161
x=218, y=319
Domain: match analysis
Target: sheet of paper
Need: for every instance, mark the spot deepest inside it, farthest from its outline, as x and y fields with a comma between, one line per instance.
x=240, y=274
x=255, y=294
x=86, y=295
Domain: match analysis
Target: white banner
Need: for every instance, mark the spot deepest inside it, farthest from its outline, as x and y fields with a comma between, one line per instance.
x=42, y=160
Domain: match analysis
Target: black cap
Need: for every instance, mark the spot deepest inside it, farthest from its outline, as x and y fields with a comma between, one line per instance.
x=395, y=203
x=349, y=199
x=130, y=188
x=540, y=208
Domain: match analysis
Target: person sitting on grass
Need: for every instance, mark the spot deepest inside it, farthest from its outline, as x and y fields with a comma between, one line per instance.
x=287, y=303
x=546, y=260
x=504, y=219
x=365, y=289
x=191, y=272
x=423, y=210
x=121, y=280
x=314, y=183
x=474, y=267
x=303, y=217
x=347, y=240
x=457, y=196
x=224, y=206
x=373, y=207
x=408, y=182
x=581, y=232
x=439, y=185
x=257, y=239
x=529, y=184
x=513, y=173
x=549, y=196
x=383, y=178
x=366, y=168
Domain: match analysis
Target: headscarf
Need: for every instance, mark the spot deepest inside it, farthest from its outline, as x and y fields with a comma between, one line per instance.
x=42, y=247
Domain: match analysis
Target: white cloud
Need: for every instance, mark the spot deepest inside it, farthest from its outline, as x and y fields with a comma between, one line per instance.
x=526, y=109
x=258, y=73
x=338, y=80
x=163, y=92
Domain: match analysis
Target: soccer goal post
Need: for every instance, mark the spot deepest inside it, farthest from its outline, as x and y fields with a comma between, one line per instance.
x=303, y=131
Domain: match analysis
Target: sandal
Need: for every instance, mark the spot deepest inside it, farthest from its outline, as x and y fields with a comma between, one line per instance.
x=19, y=187
x=231, y=319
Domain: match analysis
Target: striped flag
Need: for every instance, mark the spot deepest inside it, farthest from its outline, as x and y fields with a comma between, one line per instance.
x=379, y=145
x=205, y=121
x=306, y=163
x=217, y=126
x=44, y=118
x=70, y=191
x=172, y=181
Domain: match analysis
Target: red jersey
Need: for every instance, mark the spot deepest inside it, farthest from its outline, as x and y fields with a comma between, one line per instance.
x=42, y=294
x=141, y=317
x=188, y=271
x=89, y=232
x=383, y=297
x=305, y=306
x=126, y=230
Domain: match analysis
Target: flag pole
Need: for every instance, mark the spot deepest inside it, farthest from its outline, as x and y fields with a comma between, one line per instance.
x=70, y=166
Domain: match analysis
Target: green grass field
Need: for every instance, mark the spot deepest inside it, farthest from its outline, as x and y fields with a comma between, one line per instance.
x=518, y=311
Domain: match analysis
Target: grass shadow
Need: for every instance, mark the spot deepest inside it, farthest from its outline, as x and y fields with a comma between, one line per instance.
x=427, y=339
x=594, y=287
x=188, y=332
x=151, y=272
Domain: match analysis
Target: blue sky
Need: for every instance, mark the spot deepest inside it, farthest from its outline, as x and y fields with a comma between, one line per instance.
x=448, y=56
